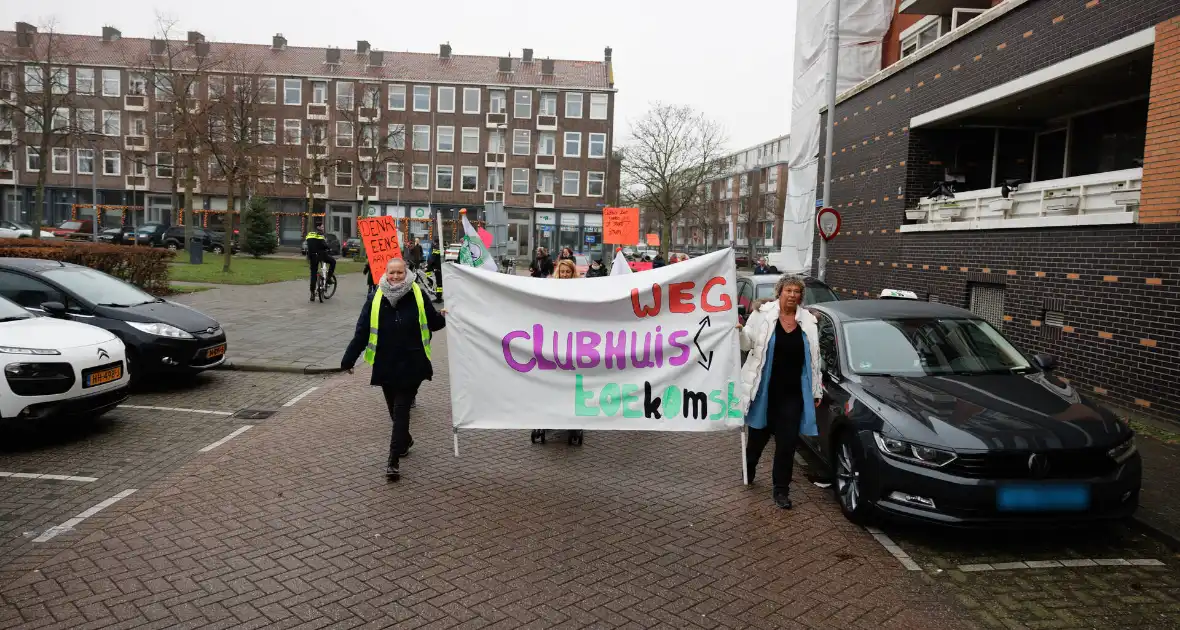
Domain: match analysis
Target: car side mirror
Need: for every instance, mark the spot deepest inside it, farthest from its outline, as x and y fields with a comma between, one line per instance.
x=55, y=309
x=1046, y=362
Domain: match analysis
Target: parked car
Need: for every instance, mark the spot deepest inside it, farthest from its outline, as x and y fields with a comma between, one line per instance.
x=753, y=288
x=333, y=244
x=742, y=260
x=351, y=247
x=173, y=238
x=54, y=367
x=931, y=414
x=117, y=236
x=151, y=234
x=161, y=336
x=85, y=226
x=12, y=229
x=217, y=242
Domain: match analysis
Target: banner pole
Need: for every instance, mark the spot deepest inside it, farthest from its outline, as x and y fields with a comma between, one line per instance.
x=455, y=435
x=745, y=473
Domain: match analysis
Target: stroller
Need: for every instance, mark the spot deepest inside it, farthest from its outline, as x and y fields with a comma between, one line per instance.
x=575, y=437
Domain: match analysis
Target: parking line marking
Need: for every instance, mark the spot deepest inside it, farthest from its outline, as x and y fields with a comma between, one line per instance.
x=227, y=438
x=52, y=532
x=154, y=408
x=894, y=550
x=1052, y=564
x=20, y=475
x=298, y=398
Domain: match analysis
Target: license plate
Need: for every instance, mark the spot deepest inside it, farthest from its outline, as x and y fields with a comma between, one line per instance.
x=215, y=351
x=1043, y=498
x=102, y=375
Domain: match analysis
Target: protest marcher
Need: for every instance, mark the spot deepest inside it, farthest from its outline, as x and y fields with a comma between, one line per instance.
x=542, y=266
x=780, y=381
x=415, y=254
x=370, y=284
x=760, y=267
x=566, y=269
x=596, y=269
x=658, y=261
x=393, y=331
x=566, y=254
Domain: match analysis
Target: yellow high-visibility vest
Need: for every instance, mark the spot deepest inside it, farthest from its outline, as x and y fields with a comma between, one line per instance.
x=374, y=318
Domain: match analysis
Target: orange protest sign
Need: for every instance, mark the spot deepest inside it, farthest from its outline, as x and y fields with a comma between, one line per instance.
x=620, y=226
x=653, y=240
x=379, y=235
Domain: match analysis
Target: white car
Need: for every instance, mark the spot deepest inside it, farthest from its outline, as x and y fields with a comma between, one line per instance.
x=11, y=229
x=54, y=367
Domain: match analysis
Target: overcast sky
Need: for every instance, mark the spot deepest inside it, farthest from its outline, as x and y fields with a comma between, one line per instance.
x=732, y=62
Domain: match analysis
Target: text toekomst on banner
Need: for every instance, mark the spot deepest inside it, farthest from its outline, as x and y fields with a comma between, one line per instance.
x=652, y=351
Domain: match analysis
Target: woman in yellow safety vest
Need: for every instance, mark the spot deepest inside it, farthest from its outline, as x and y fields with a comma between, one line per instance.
x=393, y=333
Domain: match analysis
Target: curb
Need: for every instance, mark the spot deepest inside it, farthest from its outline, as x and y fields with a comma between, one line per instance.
x=282, y=368
x=1169, y=540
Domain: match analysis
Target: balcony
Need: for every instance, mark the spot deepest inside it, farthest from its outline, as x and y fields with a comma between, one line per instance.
x=135, y=103
x=546, y=123
x=192, y=105
x=1110, y=198
x=493, y=196
x=317, y=150
x=495, y=160
x=496, y=120
x=366, y=154
x=8, y=96
x=367, y=114
x=7, y=175
x=367, y=192
x=940, y=7
x=318, y=191
x=135, y=144
x=543, y=200
x=196, y=185
x=317, y=111
x=136, y=182
x=7, y=135
x=546, y=162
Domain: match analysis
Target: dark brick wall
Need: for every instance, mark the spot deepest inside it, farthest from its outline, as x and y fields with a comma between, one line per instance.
x=1118, y=287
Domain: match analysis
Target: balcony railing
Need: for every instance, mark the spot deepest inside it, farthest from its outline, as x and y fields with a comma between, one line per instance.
x=317, y=111
x=363, y=192
x=136, y=182
x=7, y=175
x=135, y=103
x=135, y=143
x=319, y=191
x=1099, y=199
x=8, y=96
x=495, y=120
x=368, y=114
x=493, y=196
x=314, y=150
x=543, y=200
x=495, y=160
x=546, y=123
x=546, y=162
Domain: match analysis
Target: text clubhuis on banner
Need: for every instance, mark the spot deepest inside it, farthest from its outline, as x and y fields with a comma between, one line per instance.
x=652, y=351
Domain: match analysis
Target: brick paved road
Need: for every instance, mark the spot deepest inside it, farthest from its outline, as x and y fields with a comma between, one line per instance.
x=293, y=525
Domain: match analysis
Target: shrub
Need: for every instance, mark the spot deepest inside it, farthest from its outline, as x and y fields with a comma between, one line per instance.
x=258, y=226
x=145, y=267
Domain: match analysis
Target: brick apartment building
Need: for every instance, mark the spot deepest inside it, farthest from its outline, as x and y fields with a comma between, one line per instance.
x=451, y=131
x=1056, y=122
x=743, y=208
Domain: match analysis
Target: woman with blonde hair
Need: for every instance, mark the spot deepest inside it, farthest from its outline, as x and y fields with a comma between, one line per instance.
x=565, y=270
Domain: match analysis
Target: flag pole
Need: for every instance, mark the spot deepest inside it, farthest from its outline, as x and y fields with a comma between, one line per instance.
x=455, y=435
x=745, y=472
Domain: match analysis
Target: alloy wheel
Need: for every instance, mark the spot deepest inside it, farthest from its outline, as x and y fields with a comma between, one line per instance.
x=847, y=479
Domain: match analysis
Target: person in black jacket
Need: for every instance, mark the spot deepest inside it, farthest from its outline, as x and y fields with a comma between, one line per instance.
x=317, y=252
x=596, y=269
x=542, y=266
x=398, y=348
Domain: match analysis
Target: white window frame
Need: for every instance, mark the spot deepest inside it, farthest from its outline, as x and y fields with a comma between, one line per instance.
x=572, y=98
x=344, y=169
x=469, y=133
x=421, y=90
x=295, y=85
x=59, y=81
x=444, y=130
x=602, y=176
x=342, y=125
x=541, y=149
x=274, y=131
x=525, y=181
x=115, y=77
x=263, y=90
x=392, y=169
x=577, y=180
x=34, y=80
x=30, y=154
x=161, y=156
x=464, y=172
x=497, y=96
x=546, y=176
x=438, y=172
x=497, y=143
x=60, y=121
x=446, y=89
x=395, y=138
x=216, y=86
x=478, y=94
x=544, y=97
x=118, y=163
x=165, y=89
x=598, y=99
x=117, y=117
x=78, y=161
x=345, y=95
x=137, y=84
x=397, y=90
x=911, y=37
x=415, y=170
x=297, y=127
x=33, y=122
x=590, y=146
x=528, y=141
x=565, y=141
x=425, y=146
x=54, y=154
x=319, y=93
x=517, y=105
x=371, y=96
x=79, y=115
x=266, y=174
x=79, y=81
x=291, y=176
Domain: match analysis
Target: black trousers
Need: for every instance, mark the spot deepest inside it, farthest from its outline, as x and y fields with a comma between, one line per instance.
x=398, y=399
x=313, y=264
x=783, y=424
x=438, y=283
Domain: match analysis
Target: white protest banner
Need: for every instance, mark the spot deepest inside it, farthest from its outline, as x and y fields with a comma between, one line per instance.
x=655, y=351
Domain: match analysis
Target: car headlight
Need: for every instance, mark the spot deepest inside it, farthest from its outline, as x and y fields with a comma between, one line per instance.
x=163, y=330
x=1124, y=451
x=914, y=453
x=16, y=350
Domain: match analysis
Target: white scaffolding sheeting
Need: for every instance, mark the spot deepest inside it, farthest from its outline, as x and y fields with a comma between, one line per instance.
x=863, y=24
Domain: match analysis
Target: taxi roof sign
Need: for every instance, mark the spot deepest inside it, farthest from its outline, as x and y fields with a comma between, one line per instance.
x=897, y=294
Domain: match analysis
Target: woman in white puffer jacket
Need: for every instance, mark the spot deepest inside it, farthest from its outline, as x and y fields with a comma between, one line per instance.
x=780, y=382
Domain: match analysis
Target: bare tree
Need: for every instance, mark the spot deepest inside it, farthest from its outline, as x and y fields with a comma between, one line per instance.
x=368, y=145
x=672, y=152
x=47, y=98
x=312, y=172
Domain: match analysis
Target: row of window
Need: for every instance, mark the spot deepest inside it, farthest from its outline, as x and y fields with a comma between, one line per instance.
x=397, y=95
x=112, y=162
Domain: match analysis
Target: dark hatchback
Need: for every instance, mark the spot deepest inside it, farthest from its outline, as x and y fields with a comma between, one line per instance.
x=930, y=414
x=161, y=336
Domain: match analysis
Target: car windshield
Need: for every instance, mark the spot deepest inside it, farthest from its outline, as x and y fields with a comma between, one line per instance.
x=10, y=311
x=16, y=225
x=147, y=229
x=97, y=287
x=811, y=294
x=930, y=347
x=70, y=225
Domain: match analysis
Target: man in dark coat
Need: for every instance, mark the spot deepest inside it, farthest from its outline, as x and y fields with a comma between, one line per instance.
x=542, y=266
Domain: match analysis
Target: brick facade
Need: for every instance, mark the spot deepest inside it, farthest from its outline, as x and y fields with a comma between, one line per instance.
x=1161, y=169
x=1121, y=338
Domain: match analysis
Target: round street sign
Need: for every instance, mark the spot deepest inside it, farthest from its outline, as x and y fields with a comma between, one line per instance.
x=828, y=222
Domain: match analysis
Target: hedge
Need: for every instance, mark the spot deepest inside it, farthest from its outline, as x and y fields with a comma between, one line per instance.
x=145, y=267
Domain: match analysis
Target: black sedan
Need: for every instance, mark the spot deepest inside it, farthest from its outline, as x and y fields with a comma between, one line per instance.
x=161, y=336
x=930, y=414
x=750, y=289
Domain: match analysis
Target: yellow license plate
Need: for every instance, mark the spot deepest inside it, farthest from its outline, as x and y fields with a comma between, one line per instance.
x=105, y=376
x=215, y=351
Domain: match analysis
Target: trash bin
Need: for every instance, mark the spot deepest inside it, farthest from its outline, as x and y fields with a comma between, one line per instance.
x=196, y=251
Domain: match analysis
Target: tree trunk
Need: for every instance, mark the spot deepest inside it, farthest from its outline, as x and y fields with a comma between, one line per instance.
x=39, y=203
x=227, y=244
x=665, y=236
x=189, y=183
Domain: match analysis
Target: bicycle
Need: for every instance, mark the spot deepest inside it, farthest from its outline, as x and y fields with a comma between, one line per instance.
x=508, y=266
x=425, y=279
x=325, y=285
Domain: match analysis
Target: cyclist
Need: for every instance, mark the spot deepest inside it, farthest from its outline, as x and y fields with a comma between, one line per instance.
x=317, y=252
